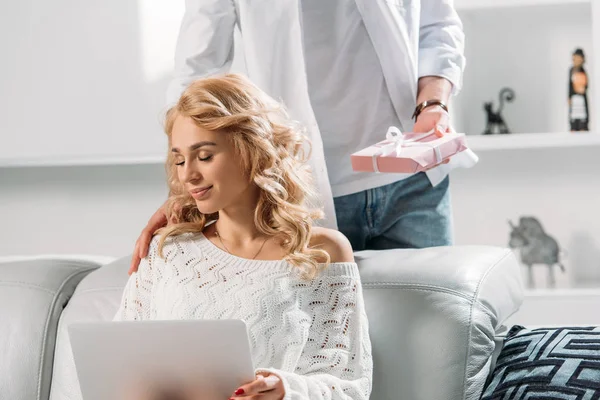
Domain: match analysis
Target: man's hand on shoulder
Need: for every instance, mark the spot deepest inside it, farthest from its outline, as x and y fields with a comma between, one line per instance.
x=157, y=221
x=335, y=243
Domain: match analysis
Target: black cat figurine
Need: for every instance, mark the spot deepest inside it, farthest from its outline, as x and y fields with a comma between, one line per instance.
x=494, y=119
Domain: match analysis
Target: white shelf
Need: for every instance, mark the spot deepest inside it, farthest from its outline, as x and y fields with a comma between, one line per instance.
x=512, y=141
x=565, y=292
x=515, y=141
x=483, y=4
x=559, y=307
x=71, y=161
x=61, y=257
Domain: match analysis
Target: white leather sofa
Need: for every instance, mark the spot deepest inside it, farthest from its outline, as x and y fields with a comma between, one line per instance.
x=436, y=319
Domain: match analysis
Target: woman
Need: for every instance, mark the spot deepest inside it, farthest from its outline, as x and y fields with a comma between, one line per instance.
x=241, y=245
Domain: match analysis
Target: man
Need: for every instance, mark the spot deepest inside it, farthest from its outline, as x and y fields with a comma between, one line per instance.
x=347, y=70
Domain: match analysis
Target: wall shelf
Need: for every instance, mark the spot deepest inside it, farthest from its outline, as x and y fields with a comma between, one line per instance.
x=515, y=141
x=88, y=161
x=558, y=307
x=60, y=257
x=482, y=4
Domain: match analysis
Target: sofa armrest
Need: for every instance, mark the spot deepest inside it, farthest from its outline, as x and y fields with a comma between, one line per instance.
x=33, y=294
x=433, y=315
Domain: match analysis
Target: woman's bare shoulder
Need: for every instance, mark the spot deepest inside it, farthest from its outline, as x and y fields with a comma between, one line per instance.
x=335, y=243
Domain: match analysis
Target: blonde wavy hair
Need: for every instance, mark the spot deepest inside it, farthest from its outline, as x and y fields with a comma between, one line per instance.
x=270, y=147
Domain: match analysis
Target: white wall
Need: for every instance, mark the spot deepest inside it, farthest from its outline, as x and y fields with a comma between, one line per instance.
x=86, y=80
x=84, y=210
x=80, y=78
x=529, y=50
x=561, y=188
x=101, y=210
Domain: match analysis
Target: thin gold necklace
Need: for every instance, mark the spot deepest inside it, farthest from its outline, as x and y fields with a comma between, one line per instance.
x=227, y=250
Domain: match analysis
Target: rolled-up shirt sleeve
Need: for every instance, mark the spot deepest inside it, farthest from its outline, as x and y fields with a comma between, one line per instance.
x=441, y=42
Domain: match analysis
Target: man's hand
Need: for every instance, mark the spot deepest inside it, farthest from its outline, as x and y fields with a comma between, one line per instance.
x=435, y=118
x=157, y=221
x=265, y=387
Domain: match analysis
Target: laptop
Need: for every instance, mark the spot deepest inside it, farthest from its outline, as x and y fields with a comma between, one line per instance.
x=135, y=360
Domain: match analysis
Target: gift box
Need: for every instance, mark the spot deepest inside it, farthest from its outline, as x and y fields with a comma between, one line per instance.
x=408, y=153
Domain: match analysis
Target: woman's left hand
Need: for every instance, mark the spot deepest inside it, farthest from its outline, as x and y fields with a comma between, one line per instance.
x=265, y=387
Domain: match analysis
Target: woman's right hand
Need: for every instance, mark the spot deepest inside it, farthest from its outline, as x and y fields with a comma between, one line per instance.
x=157, y=221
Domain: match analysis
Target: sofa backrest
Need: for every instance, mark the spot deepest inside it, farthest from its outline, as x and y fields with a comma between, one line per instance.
x=433, y=314
x=33, y=294
x=96, y=299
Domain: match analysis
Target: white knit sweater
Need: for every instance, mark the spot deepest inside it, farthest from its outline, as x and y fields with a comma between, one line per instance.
x=313, y=334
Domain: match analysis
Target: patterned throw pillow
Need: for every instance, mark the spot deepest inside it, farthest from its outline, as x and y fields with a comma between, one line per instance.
x=546, y=364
